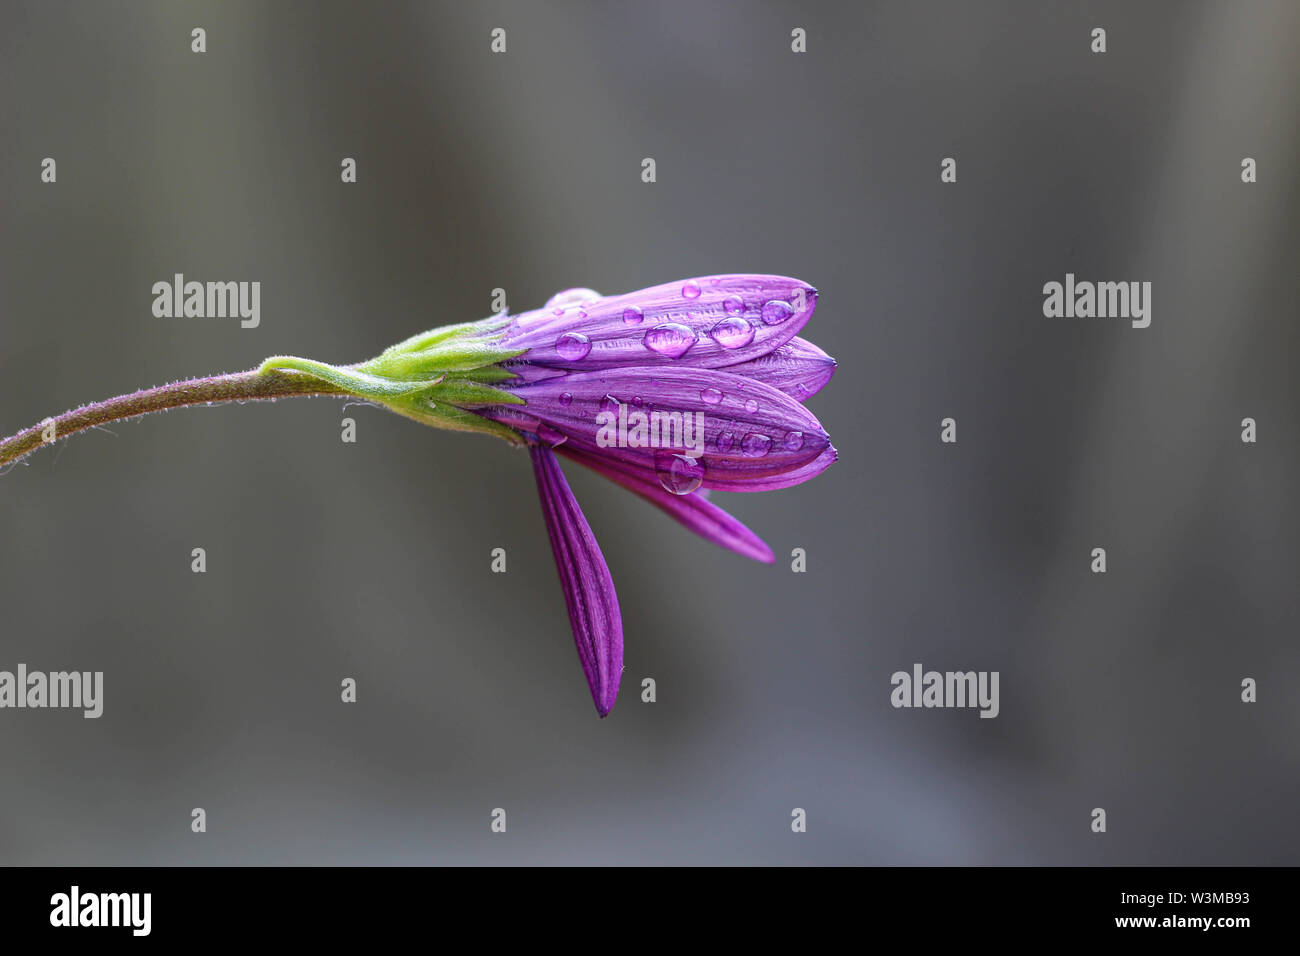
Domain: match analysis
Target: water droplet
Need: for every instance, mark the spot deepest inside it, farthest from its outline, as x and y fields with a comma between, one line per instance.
x=711, y=396
x=725, y=442
x=552, y=436
x=573, y=346
x=565, y=399
x=671, y=339
x=610, y=404
x=557, y=312
x=691, y=290
x=756, y=445
x=732, y=333
x=571, y=297
x=678, y=474
x=777, y=311
x=751, y=406
x=733, y=305
x=794, y=441
x=632, y=315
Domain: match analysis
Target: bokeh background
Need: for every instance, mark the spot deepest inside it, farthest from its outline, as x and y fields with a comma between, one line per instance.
x=522, y=171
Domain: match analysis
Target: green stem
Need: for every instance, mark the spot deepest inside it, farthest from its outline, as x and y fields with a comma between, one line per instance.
x=253, y=385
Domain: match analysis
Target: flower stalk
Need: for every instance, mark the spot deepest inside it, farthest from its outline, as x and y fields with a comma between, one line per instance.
x=251, y=386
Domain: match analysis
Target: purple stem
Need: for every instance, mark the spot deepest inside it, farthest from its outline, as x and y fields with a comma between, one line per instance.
x=235, y=387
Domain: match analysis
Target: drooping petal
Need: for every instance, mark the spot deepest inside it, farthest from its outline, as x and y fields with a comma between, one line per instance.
x=693, y=510
x=709, y=322
x=736, y=429
x=588, y=588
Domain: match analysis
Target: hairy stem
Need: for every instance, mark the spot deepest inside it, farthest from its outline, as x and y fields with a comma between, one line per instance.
x=236, y=387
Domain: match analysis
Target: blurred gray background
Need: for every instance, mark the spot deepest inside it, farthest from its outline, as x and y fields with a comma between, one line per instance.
x=522, y=171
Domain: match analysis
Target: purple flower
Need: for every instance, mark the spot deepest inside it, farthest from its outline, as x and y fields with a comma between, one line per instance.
x=669, y=392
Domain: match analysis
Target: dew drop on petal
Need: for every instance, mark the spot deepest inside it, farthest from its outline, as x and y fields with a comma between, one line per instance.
x=557, y=312
x=751, y=406
x=610, y=404
x=756, y=445
x=678, y=474
x=725, y=442
x=733, y=305
x=777, y=311
x=571, y=297
x=573, y=346
x=632, y=315
x=711, y=396
x=566, y=398
x=732, y=333
x=552, y=436
x=691, y=290
x=671, y=339
x=794, y=441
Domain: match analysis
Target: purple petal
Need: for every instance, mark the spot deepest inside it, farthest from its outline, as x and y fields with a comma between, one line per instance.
x=588, y=588
x=693, y=510
x=798, y=368
x=528, y=373
x=741, y=430
x=710, y=322
x=787, y=480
